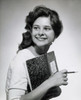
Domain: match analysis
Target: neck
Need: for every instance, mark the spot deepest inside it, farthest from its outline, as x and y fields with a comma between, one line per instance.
x=42, y=49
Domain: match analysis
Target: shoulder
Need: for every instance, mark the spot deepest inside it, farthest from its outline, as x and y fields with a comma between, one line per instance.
x=21, y=57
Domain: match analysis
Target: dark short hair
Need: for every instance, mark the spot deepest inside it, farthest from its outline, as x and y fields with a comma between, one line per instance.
x=40, y=11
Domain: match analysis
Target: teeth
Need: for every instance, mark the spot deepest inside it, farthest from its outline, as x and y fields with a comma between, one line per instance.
x=39, y=38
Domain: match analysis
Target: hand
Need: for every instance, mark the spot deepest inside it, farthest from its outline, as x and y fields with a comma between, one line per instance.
x=59, y=78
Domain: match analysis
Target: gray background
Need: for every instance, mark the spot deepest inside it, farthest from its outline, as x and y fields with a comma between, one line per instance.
x=67, y=47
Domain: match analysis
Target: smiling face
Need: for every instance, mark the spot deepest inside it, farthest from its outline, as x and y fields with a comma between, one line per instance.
x=42, y=32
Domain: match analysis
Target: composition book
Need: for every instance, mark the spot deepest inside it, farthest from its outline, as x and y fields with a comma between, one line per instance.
x=41, y=68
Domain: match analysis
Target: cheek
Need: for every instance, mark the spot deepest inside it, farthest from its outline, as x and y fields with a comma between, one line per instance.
x=52, y=36
x=33, y=36
x=32, y=33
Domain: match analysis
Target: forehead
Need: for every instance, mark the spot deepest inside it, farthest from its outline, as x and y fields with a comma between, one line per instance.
x=42, y=21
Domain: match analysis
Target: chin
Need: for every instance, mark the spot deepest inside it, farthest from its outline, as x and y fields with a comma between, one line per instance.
x=42, y=45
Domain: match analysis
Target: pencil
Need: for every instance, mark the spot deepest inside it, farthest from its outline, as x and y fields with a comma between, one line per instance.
x=70, y=72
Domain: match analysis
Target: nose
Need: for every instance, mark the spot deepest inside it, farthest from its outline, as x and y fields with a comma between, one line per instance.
x=41, y=32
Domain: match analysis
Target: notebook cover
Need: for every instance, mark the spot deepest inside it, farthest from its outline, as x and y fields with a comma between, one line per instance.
x=41, y=68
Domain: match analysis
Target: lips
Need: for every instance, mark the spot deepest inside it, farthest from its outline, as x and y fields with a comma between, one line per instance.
x=40, y=38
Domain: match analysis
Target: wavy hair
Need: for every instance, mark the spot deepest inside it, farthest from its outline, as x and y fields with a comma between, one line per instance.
x=40, y=11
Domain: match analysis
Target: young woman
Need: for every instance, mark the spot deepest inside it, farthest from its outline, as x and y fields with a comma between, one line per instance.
x=43, y=27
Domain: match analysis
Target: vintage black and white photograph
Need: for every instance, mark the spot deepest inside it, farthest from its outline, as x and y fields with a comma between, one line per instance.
x=40, y=50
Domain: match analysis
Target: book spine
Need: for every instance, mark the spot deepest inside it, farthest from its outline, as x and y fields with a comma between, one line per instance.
x=56, y=63
x=29, y=82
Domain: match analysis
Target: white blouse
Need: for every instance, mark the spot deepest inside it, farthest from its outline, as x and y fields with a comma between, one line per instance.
x=17, y=77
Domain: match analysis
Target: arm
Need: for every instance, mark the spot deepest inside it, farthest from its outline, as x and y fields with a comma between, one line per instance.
x=40, y=91
x=55, y=80
x=37, y=93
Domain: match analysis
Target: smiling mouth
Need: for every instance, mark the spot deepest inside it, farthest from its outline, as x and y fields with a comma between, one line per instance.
x=40, y=38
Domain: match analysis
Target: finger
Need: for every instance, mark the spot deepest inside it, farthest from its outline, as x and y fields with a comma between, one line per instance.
x=65, y=79
x=65, y=83
x=64, y=75
x=64, y=71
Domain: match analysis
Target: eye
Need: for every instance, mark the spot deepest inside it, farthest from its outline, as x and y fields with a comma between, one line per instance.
x=47, y=28
x=35, y=27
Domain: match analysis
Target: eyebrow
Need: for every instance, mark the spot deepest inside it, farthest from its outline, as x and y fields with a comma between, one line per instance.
x=47, y=26
x=44, y=25
x=35, y=25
